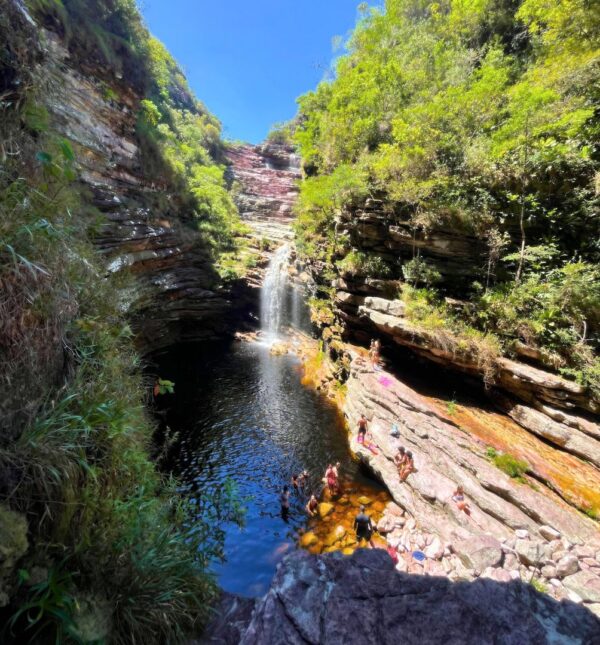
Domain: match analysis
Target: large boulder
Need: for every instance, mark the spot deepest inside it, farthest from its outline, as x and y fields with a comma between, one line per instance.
x=362, y=599
x=479, y=552
x=586, y=584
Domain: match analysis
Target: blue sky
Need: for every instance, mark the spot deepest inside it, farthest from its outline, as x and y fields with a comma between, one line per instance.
x=248, y=60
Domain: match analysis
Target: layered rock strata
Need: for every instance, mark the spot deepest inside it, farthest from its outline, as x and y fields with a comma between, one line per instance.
x=265, y=179
x=142, y=227
x=335, y=599
x=516, y=528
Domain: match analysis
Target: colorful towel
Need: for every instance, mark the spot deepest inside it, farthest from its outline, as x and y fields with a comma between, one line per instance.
x=385, y=381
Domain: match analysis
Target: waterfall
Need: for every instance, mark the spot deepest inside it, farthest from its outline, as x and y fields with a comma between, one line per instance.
x=273, y=293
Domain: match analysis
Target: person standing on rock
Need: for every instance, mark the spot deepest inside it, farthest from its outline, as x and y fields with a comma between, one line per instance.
x=332, y=479
x=364, y=527
x=362, y=428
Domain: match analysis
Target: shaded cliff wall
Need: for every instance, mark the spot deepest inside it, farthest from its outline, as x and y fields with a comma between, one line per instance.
x=143, y=226
x=362, y=599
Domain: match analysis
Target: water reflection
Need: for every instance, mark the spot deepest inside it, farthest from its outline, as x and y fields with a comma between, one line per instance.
x=243, y=414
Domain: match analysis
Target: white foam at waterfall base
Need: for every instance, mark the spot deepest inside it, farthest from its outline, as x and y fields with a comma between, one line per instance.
x=273, y=294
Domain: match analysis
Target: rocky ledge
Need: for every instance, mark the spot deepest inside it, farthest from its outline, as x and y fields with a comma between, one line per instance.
x=332, y=599
x=517, y=529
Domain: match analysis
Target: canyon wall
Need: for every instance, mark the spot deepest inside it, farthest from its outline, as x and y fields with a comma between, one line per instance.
x=142, y=227
x=265, y=181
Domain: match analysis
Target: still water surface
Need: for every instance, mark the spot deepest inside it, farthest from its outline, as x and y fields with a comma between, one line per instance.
x=243, y=415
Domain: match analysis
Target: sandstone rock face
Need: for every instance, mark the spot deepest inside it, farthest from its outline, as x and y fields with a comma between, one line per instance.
x=267, y=176
x=360, y=599
x=143, y=226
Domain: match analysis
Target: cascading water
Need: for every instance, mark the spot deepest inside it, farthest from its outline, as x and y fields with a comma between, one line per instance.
x=273, y=293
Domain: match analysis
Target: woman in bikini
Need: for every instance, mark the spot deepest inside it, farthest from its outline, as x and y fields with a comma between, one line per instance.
x=458, y=498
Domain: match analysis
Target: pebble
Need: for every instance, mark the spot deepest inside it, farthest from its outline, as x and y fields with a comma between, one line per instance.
x=555, y=582
x=522, y=534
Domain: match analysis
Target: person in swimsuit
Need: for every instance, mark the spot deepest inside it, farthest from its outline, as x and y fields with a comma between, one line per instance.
x=303, y=479
x=409, y=466
x=364, y=527
x=400, y=459
x=458, y=498
x=295, y=483
x=362, y=428
x=331, y=478
x=284, y=500
x=313, y=506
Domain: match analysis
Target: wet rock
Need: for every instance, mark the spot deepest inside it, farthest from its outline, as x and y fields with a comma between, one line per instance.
x=567, y=566
x=586, y=584
x=308, y=539
x=325, y=508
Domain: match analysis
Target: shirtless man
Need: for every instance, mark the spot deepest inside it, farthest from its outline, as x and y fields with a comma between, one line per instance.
x=362, y=428
x=364, y=527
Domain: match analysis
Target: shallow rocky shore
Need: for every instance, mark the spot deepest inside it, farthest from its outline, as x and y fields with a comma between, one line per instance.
x=515, y=530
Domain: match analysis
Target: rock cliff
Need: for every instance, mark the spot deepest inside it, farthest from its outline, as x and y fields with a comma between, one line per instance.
x=143, y=227
x=335, y=599
x=265, y=181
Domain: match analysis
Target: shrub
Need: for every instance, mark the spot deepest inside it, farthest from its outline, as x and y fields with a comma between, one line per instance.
x=510, y=465
x=364, y=264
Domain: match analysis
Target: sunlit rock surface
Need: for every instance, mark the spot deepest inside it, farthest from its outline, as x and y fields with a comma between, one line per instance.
x=333, y=599
x=265, y=187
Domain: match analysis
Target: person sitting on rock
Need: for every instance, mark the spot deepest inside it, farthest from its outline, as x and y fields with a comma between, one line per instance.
x=458, y=497
x=400, y=459
x=312, y=506
x=362, y=428
x=408, y=468
x=364, y=527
